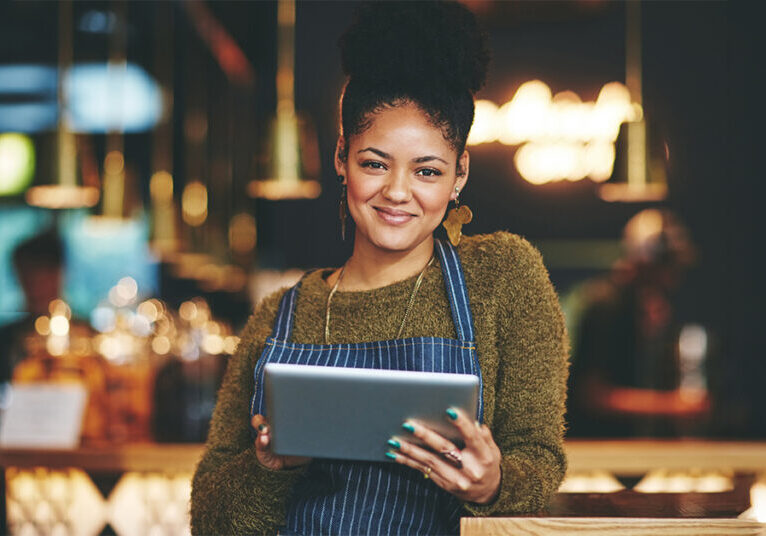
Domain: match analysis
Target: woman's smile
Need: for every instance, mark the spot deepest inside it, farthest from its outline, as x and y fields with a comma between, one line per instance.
x=394, y=216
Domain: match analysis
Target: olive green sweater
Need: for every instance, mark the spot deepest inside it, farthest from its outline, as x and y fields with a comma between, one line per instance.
x=522, y=347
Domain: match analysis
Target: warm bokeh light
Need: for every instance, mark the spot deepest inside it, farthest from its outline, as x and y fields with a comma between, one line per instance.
x=43, y=325
x=230, y=344
x=484, y=127
x=242, y=233
x=114, y=163
x=188, y=311
x=149, y=309
x=560, y=136
x=194, y=203
x=161, y=187
x=590, y=482
x=758, y=499
x=161, y=345
x=692, y=481
x=213, y=344
x=57, y=196
x=59, y=325
x=59, y=307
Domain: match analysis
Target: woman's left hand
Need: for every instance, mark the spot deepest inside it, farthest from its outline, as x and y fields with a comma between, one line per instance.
x=471, y=474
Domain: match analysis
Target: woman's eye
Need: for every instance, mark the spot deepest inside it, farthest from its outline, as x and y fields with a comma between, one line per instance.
x=372, y=164
x=429, y=172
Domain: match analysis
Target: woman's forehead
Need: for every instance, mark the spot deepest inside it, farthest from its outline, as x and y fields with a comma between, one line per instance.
x=403, y=130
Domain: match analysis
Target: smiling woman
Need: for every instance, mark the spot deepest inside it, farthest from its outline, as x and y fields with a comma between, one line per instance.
x=482, y=306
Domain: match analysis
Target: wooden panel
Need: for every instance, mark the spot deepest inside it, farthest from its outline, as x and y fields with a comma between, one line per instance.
x=540, y=526
x=636, y=457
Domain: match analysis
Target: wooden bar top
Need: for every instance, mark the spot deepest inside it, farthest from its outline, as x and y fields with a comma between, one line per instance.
x=142, y=457
x=626, y=457
x=543, y=526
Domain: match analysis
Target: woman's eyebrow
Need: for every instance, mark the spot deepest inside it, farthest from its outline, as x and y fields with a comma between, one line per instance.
x=376, y=151
x=421, y=159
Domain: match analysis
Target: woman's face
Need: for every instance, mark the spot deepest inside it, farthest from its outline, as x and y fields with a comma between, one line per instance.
x=401, y=174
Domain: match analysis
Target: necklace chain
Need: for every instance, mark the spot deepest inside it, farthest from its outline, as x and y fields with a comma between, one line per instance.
x=406, y=312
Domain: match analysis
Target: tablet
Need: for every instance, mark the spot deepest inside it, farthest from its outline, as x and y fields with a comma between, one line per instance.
x=350, y=413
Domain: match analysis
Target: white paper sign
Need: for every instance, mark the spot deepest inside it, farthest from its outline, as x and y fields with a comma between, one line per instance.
x=43, y=415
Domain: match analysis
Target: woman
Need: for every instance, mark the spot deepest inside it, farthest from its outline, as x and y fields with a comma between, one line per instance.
x=485, y=307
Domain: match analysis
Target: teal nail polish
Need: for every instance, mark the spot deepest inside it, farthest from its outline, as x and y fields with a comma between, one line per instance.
x=407, y=426
x=452, y=414
x=391, y=455
x=261, y=427
x=394, y=443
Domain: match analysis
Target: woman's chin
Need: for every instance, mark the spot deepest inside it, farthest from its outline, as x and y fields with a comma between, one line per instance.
x=394, y=243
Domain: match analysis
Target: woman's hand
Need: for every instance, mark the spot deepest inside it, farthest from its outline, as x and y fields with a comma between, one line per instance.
x=471, y=474
x=263, y=452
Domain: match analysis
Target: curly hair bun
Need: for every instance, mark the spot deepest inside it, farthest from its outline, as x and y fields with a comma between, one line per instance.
x=416, y=43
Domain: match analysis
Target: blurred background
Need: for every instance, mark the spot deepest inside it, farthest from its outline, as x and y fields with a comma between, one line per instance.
x=165, y=165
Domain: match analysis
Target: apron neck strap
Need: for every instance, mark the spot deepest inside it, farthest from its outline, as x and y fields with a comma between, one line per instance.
x=457, y=292
x=454, y=281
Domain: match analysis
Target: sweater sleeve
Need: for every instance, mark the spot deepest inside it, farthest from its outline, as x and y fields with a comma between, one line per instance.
x=232, y=493
x=533, y=351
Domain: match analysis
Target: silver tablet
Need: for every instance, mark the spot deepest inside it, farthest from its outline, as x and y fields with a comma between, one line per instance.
x=350, y=413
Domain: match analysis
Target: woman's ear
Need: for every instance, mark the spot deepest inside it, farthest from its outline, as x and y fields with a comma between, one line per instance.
x=463, y=164
x=341, y=157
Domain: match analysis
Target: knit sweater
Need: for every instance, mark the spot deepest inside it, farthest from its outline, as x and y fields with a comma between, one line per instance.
x=522, y=347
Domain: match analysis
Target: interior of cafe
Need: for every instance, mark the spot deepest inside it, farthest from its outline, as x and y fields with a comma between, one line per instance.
x=165, y=166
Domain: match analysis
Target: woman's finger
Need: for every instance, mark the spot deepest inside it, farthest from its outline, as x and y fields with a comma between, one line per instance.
x=425, y=458
x=433, y=440
x=470, y=429
x=448, y=484
x=262, y=444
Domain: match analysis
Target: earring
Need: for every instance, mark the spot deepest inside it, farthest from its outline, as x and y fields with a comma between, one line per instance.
x=342, y=207
x=457, y=217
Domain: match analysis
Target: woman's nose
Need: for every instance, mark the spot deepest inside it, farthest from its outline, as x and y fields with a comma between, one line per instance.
x=397, y=188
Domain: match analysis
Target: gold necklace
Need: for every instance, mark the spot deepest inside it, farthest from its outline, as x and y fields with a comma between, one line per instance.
x=406, y=312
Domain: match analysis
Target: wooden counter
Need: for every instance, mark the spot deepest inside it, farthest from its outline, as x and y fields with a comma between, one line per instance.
x=140, y=457
x=617, y=513
x=626, y=457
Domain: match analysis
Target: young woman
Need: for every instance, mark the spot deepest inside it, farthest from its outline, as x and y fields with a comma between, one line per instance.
x=406, y=301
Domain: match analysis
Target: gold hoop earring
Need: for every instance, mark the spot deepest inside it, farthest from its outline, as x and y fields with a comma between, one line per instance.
x=456, y=218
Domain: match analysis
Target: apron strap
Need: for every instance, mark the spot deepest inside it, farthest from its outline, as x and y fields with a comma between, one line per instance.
x=457, y=291
x=283, y=324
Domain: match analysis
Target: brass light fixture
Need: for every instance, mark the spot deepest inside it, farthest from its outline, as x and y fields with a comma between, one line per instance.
x=65, y=191
x=292, y=160
x=644, y=179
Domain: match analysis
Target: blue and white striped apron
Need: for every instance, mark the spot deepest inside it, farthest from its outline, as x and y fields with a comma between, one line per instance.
x=350, y=497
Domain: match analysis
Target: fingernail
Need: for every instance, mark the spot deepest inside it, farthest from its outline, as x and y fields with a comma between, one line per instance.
x=391, y=455
x=394, y=443
x=261, y=427
x=452, y=414
x=407, y=426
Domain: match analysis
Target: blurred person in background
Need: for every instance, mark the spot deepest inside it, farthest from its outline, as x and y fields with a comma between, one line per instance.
x=625, y=378
x=38, y=262
x=29, y=350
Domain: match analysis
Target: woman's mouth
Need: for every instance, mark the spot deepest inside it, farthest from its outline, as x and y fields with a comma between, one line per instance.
x=393, y=216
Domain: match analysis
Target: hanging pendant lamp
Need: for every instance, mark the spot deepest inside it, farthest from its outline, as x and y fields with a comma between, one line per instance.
x=65, y=190
x=292, y=157
x=639, y=174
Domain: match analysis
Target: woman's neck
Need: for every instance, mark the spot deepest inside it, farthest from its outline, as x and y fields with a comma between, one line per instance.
x=370, y=267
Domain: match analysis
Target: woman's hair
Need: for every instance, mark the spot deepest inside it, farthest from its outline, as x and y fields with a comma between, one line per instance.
x=431, y=54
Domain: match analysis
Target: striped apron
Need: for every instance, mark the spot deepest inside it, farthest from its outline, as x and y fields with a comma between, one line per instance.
x=351, y=497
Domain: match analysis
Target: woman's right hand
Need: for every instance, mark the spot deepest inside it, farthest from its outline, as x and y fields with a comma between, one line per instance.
x=263, y=451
